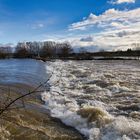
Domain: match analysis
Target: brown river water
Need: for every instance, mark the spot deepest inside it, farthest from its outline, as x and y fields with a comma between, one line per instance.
x=94, y=100
x=32, y=121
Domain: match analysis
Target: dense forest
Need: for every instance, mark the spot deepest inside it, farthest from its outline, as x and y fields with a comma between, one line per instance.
x=51, y=50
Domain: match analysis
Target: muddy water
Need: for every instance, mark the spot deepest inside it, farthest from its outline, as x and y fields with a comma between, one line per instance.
x=31, y=121
x=101, y=99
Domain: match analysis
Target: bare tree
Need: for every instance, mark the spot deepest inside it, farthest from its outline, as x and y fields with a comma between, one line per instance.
x=5, y=52
x=21, y=51
x=65, y=49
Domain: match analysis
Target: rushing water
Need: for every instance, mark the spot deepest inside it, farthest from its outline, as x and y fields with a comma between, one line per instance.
x=101, y=99
x=24, y=71
x=18, y=77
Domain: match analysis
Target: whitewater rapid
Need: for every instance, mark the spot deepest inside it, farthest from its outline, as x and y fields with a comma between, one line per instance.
x=101, y=99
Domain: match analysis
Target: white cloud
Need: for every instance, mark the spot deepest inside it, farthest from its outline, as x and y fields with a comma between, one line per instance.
x=110, y=18
x=87, y=39
x=122, y=1
x=7, y=45
x=109, y=40
x=117, y=30
x=38, y=26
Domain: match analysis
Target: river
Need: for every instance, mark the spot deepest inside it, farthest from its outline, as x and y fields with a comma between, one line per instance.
x=25, y=71
x=28, y=119
x=101, y=99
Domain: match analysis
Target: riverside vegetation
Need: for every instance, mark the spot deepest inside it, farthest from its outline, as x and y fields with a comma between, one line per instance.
x=51, y=50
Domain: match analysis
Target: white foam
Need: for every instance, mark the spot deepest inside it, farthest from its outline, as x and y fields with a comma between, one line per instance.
x=66, y=90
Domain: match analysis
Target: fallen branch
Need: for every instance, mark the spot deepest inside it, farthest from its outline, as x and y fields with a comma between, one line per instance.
x=6, y=107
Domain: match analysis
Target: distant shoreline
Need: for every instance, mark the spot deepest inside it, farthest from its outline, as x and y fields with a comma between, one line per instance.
x=78, y=59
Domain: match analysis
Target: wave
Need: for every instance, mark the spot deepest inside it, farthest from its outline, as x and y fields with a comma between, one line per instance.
x=84, y=96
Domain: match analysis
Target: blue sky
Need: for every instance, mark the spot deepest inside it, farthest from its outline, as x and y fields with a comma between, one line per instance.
x=24, y=20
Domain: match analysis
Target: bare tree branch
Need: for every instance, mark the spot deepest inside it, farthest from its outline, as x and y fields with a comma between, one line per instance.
x=7, y=107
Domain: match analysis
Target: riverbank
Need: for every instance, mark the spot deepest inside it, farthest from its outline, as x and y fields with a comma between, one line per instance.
x=79, y=58
x=29, y=120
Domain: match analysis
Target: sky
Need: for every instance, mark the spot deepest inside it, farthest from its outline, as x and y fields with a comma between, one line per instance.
x=92, y=24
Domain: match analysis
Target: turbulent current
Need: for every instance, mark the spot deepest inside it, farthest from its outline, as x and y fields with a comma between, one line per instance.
x=101, y=99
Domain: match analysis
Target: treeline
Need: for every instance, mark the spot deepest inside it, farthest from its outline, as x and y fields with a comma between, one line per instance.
x=46, y=50
x=5, y=52
x=52, y=50
x=119, y=53
x=107, y=55
x=37, y=50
